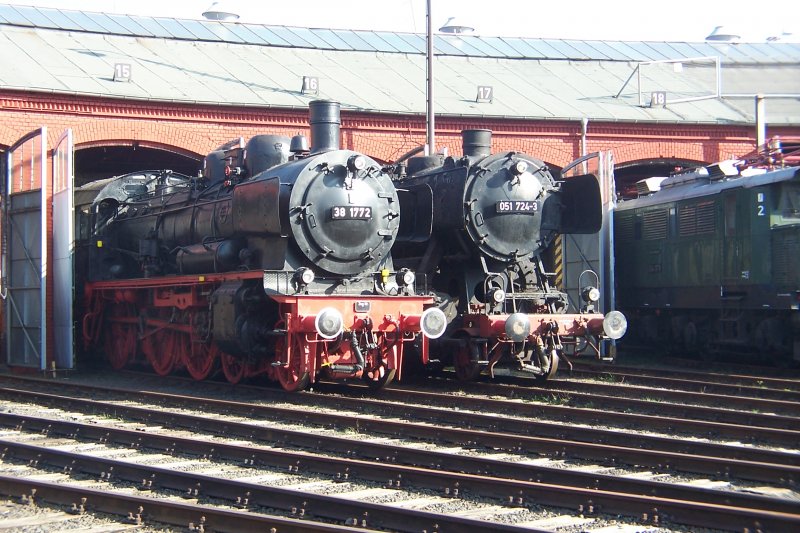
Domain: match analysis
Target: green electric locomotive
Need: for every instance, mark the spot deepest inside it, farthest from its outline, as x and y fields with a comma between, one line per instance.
x=708, y=260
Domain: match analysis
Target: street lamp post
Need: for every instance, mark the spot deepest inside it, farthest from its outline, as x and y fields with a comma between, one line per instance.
x=429, y=119
x=451, y=26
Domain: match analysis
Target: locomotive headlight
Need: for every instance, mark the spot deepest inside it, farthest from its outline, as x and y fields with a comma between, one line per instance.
x=329, y=323
x=590, y=294
x=405, y=277
x=356, y=162
x=518, y=327
x=520, y=167
x=497, y=295
x=304, y=275
x=433, y=323
x=615, y=325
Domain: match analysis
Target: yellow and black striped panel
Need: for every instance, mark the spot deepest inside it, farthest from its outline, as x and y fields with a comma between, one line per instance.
x=558, y=263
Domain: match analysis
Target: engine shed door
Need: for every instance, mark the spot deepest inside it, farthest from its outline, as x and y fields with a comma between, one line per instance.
x=593, y=252
x=63, y=251
x=24, y=251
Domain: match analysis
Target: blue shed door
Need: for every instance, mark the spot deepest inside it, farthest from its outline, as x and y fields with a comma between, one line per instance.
x=63, y=251
x=27, y=182
x=24, y=251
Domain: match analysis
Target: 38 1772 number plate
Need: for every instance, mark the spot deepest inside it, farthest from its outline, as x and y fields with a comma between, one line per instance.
x=351, y=212
x=517, y=206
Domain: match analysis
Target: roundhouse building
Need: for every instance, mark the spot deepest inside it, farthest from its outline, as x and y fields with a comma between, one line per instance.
x=150, y=93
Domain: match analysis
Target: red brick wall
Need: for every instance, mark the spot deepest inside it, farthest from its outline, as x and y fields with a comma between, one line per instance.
x=198, y=129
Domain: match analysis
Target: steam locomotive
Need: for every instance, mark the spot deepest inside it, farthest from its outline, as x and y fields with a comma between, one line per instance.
x=707, y=258
x=479, y=226
x=277, y=261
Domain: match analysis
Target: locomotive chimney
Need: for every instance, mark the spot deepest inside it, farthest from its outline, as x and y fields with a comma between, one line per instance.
x=476, y=143
x=325, y=119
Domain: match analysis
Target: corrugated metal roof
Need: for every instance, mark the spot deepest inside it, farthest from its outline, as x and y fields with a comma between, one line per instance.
x=255, y=65
x=384, y=41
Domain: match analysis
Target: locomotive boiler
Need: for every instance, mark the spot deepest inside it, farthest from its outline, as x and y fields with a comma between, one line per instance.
x=479, y=226
x=277, y=261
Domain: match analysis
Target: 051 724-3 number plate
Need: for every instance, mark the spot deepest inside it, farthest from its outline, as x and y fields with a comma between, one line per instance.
x=517, y=206
x=351, y=212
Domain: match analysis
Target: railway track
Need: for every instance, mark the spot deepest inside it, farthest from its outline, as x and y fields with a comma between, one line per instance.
x=463, y=419
x=717, y=402
x=753, y=388
x=515, y=481
x=685, y=372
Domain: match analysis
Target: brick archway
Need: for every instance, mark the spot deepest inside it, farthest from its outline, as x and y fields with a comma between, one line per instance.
x=115, y=133
x=640, y=151
x=151, y=135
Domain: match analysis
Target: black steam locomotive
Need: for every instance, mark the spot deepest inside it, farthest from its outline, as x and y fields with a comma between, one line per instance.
x=277, y=261
x=478, y=226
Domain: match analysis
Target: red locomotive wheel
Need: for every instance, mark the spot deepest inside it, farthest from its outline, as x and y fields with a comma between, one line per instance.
x=289, y=376
x=467, y=369
x=121, y=337
x=162, y=350
x=201, y=359
x=233, y=367
x=201, y=355
x=120, y=344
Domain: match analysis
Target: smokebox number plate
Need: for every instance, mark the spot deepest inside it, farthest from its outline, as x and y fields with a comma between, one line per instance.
x=516, y=206
x=351, y=212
